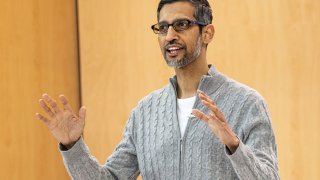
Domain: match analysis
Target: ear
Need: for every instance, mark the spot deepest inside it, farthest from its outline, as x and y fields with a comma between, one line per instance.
x=207, y=33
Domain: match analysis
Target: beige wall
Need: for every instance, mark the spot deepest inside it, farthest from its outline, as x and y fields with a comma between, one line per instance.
x=38, y=53
x=270, y=45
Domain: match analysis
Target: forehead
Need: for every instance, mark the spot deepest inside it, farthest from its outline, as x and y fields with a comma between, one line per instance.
x=177, y=10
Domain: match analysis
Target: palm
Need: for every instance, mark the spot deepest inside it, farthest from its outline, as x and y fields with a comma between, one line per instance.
x=64, y=124
x=66, y=127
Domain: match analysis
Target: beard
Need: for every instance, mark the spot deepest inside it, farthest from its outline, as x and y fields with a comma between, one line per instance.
x=187, y=58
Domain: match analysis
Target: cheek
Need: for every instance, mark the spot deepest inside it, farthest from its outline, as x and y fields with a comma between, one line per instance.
x=195, y=41
x=161, y=42
x=191, y=41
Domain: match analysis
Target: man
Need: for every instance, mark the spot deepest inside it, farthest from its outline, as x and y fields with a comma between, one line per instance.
x=228, y=136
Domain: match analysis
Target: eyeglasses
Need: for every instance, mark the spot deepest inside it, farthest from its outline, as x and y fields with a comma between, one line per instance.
x=178, y=25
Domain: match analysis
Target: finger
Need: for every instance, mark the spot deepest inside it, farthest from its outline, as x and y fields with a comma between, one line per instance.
x=82, y=113
x=204, y=96
x=65, y=102
x=42, y=118
x=46, y=108
x=213, y=116
x=52, y=102
x=210, y=106
x=199, y=91
x=215, y=110
x=200, y=115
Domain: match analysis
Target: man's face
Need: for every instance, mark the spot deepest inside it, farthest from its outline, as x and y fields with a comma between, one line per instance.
x=179, y=48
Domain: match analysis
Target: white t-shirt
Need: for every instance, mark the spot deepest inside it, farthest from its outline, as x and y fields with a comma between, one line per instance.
x=184, y=109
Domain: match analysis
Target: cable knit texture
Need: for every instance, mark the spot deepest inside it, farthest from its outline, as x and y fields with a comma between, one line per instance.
x=152, y=145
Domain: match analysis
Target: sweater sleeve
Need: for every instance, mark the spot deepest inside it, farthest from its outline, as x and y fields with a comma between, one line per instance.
x=122, y=164
x=256, y=156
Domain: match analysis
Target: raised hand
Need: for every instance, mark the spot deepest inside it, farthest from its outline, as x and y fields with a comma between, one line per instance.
x=64, y=124
x=217, y=122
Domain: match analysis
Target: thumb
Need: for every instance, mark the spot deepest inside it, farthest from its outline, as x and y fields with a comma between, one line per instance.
x=82, y=113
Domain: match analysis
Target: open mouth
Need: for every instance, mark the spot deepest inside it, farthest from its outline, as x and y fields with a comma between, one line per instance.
x=174, y=51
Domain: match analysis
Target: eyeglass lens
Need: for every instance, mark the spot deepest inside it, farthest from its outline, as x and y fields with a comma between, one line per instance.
x=179, y=25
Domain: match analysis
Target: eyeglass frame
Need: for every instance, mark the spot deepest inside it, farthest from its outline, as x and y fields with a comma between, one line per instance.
x=191, y=22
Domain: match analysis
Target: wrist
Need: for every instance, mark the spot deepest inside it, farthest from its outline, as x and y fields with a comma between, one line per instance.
x=69, y=146
x=233, y=145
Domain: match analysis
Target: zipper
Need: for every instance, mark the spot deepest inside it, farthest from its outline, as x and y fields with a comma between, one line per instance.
x=180, y=159
x=182, y=139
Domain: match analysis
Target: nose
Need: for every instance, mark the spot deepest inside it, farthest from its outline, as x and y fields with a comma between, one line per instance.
x=171, y=34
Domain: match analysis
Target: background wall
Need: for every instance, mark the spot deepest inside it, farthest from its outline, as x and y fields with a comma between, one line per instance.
x=270, y=45
x=38, y=53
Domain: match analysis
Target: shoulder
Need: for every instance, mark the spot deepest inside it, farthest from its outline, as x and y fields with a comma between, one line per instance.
x=240, y=100
x=240, y=92
x=246, y=107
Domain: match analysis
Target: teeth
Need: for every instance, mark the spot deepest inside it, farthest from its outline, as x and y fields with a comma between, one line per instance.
x=173, y=48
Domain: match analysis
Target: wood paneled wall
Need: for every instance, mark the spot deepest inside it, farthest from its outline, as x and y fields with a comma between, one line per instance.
x=270, y=45
x=38, y=53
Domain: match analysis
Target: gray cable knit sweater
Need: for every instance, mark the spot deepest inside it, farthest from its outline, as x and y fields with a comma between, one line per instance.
x=152, y=145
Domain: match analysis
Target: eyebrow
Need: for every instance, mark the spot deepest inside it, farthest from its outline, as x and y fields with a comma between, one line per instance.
x=177, y=19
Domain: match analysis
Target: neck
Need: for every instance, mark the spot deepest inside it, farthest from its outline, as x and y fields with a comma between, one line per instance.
x=189, y=77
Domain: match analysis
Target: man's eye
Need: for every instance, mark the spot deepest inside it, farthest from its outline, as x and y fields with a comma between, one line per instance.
x=163, y=27
x=182, y=24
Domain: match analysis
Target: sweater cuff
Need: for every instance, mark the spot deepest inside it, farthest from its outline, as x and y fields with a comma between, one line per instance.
x=79, y=150
x=238, y=156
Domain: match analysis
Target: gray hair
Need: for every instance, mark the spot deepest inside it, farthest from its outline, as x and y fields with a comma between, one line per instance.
x=203, y=12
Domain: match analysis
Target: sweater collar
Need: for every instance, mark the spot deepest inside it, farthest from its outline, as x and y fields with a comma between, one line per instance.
x=209, y=83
